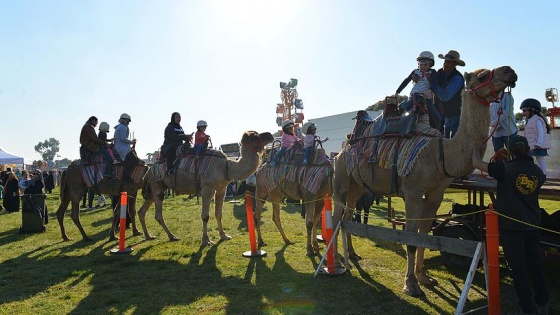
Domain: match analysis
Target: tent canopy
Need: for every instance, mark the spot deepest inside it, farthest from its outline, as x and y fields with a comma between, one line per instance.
x=8, y=158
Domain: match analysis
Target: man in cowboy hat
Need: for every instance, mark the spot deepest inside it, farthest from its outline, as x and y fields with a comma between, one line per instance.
x=447, y=87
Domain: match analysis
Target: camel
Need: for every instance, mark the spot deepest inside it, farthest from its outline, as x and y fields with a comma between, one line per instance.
x=211, y=184
x=422, y=189
x=294, y=189
x=72, y=190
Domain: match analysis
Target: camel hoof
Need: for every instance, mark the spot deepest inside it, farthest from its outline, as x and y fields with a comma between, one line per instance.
x=113, y=238
x=427, y=281
x=207, y=243
x=288, y=242
x=66, y=239
x=148, y=237
x=137, y=233
x=262, y=243
x=413, y=290
x=225, y=237
x=173, y=238
x=354, y=256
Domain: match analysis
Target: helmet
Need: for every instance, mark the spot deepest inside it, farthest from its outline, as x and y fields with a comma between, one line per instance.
x=125, y=116
x=307, y=126
x=201, y=123
x=426, y=55
x=287, y=123
x=531, y=103
x=104, y=126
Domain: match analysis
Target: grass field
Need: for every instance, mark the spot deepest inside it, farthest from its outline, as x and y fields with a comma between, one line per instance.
x=40, y=274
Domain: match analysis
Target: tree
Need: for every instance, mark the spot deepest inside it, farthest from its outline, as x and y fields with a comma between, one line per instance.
x=63, y=163
x=48, y=149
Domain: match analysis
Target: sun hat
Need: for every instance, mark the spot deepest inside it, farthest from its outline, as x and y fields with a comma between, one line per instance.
x=453, y=55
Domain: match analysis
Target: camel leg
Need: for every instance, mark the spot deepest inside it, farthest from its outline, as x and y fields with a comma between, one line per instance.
x=205, y=215
x=132, y=214
x=318, y=208
x=159, y=217
x=259, y=204
x=60, y=217
x=116, y=218
x=75, y=215
x=219, y=204
x=276, y=219
x=142, y=217
x=431, y=204
x=413, y=206
x=310, y=226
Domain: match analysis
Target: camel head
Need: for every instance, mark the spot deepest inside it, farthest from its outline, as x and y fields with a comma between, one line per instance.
x=256, y=140
x=487, y=84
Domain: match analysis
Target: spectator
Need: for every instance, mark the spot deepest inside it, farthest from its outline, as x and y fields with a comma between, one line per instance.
x=49, y=182
x=448, y=87
x=537, y=131
x=519, y=183
x=11, y=192
x=503, y=125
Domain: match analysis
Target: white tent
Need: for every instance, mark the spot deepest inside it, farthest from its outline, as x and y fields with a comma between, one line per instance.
x=8, y=158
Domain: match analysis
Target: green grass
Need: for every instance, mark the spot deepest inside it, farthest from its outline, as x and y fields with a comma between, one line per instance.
x=41, y=274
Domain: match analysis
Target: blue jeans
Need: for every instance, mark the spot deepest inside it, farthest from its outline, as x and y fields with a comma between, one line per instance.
x=432, y=111
x=107, y=160
x=306, y=152
x=279, y=154
x=501, y=142
x=451, y=124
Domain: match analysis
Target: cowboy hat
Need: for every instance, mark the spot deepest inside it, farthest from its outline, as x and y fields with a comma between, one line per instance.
x=453, y=55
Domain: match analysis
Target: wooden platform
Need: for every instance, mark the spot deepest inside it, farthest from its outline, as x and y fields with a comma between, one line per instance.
x=480, y=183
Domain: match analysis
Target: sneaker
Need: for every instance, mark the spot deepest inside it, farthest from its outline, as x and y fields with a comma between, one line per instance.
x=272, y=163
x=489, y=177
x=304, y=162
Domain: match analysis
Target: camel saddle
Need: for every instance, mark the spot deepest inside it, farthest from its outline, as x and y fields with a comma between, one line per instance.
x=294, y=155
x=393, y=123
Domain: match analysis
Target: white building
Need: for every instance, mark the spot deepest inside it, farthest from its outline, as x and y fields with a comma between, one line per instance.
x=336, y=127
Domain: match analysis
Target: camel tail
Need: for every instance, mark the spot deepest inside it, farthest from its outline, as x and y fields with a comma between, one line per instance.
x=147, y=191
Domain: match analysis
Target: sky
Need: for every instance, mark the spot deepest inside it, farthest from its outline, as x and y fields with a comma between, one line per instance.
x=222, y=60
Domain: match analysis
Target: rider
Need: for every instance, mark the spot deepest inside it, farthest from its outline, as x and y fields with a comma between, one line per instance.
x=173, y=138
x=421, y=77
x=92, y=143
x=309, y=129
x=122, y=144
x=288, y=140
x=200, y=137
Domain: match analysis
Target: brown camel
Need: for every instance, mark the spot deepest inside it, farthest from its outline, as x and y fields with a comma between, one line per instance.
x=72, y=190
x=423, y=187
x=212, y=184
x=293, y=187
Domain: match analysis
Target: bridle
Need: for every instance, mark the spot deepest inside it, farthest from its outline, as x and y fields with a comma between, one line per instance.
x=490, y=82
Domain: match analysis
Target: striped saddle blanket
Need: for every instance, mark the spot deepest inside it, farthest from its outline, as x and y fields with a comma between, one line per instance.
x=92, y=174
x=382, y=150
x=309, y=177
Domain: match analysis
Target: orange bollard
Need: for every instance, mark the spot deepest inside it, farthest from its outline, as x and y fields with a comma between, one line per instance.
x=328, y=233
x=251, y=228
x=122, y=223
x=492, y=252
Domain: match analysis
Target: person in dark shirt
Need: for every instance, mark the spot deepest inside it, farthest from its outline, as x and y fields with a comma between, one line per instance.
x=519, y=183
